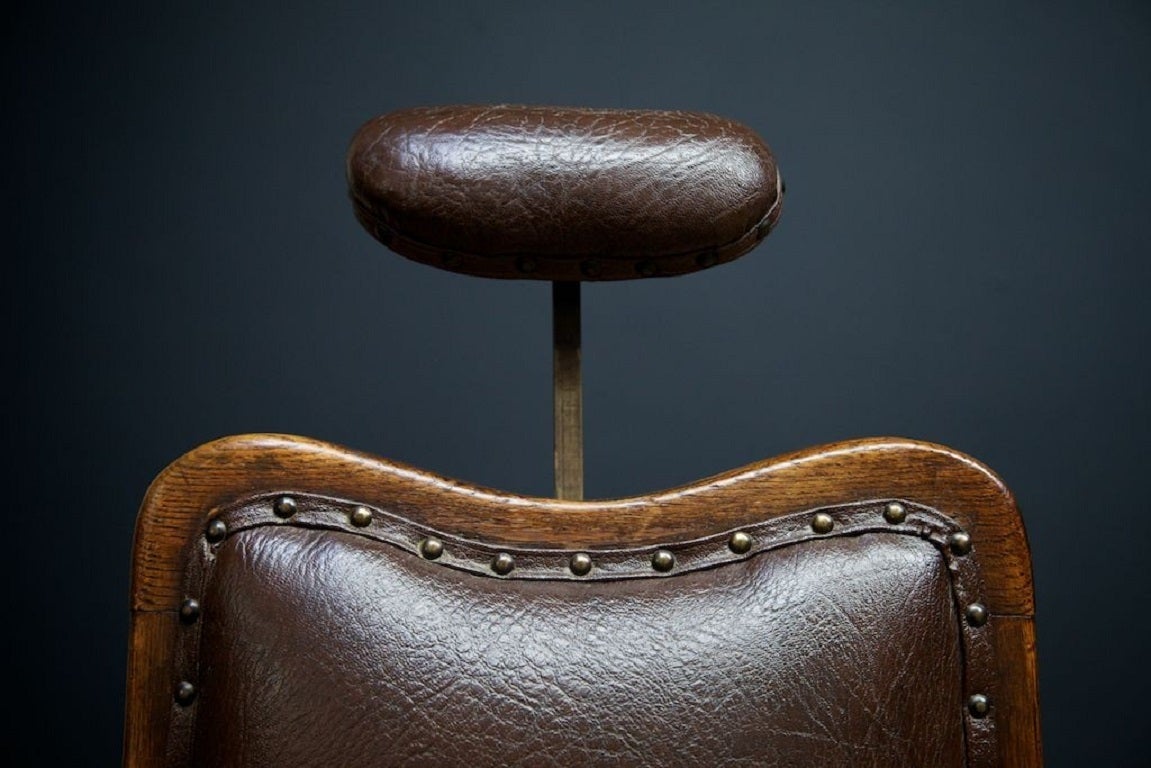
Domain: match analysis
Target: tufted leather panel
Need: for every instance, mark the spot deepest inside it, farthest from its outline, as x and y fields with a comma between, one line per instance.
x=338, y=647
x=563, y=194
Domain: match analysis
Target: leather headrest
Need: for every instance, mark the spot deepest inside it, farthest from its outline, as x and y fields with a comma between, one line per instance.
x=563, y=194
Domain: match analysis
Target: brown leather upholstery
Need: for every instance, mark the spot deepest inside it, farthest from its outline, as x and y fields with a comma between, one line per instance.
x=563, y=194
x=327, y=643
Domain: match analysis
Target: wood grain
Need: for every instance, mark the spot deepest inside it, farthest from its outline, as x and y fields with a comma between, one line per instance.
x=184, y=496
x=151, y=682
x=1018, y=715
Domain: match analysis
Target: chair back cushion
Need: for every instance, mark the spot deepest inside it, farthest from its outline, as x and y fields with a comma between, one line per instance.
x=340, y=636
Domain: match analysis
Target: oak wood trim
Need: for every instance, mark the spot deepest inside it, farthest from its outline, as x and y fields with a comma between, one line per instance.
x=184, y=497
x=151, y=681
x=1018, y=718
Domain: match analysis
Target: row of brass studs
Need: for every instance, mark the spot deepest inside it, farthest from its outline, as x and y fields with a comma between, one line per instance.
x=215, y=532
x=185, y=692
x=581, y=563
x=976, y=614
x=663, y=560
x=431, y=548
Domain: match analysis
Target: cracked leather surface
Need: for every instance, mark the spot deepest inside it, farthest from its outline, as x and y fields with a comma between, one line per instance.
x=326, y=648
x=553, y=193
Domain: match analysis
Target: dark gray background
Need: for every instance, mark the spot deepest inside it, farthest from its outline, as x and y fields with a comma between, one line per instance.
x=962, y=258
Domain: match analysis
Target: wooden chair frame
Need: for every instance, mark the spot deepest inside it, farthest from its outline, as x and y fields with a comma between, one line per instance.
x=189, y=493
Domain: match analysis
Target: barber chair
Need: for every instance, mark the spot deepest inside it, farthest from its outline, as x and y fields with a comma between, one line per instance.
x=295, y=603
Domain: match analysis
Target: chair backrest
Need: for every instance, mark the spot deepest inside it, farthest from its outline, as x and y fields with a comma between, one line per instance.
x=864, y=603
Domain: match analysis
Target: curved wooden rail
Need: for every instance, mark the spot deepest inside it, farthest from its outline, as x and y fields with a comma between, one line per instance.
x=186, y=495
